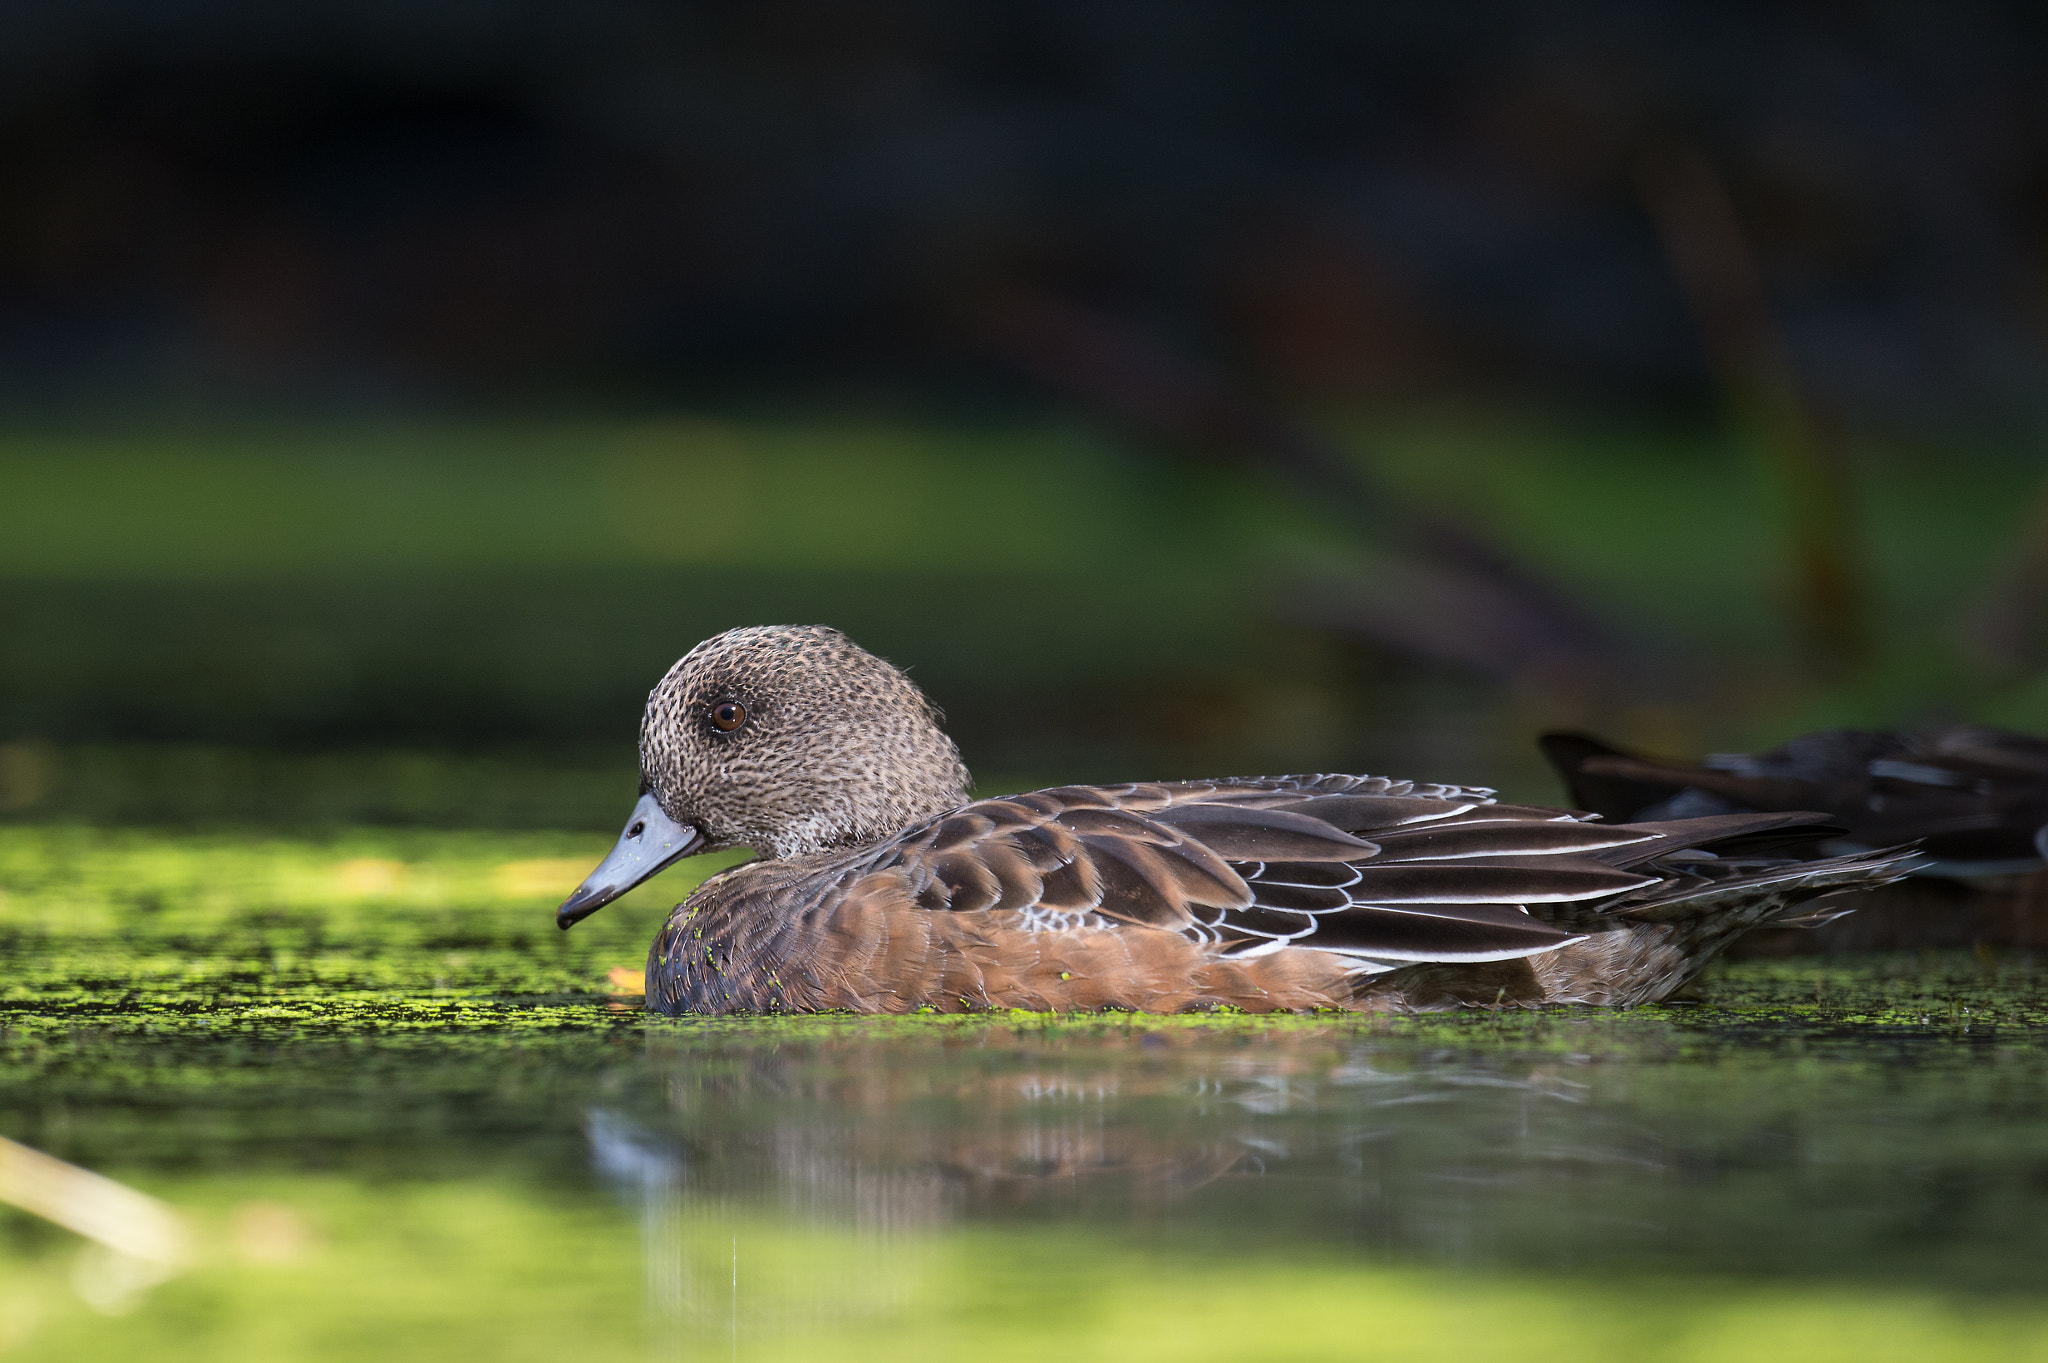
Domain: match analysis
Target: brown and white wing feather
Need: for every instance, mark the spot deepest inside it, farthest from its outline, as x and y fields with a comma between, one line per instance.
x=1382, y=872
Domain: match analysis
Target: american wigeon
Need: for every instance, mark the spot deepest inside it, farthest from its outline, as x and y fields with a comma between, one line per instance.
x=1975, y=798
x=882, y=888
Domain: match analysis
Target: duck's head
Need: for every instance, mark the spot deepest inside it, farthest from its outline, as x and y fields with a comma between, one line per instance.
x=789, y=739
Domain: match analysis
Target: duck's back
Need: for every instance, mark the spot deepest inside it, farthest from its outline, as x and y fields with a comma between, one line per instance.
x=1262, y=893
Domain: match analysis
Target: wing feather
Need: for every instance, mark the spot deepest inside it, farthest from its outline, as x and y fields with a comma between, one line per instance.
x=1376, y=870
x=1075, y=887
x=1499, y=880
x=1241, y=834
x=1303, y=898
x=1382, y=935
x=1505, y=837
x=1361, y=813
x=1301, y=873
x=968, y=881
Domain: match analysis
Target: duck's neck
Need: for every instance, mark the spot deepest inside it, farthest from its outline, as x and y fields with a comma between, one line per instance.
x=866, y=816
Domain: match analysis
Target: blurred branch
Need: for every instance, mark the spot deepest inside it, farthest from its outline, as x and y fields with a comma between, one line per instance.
x=1458, y=596
x=1801, y=457
x=137, y=1241
x=113, y=1214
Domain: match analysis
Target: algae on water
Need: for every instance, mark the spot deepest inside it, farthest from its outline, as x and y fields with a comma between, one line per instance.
x=401, y=1107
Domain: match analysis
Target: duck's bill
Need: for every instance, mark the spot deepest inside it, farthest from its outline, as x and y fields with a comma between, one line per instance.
x=652, y=841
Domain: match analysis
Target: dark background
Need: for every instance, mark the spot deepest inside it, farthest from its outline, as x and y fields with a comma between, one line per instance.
x=1310, y=385
x=1347, y=201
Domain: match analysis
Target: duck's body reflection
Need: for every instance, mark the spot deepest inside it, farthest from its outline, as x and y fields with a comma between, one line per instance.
x=1154, y=1132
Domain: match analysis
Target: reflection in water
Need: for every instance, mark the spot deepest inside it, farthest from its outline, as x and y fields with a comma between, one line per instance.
x=884, y=1139
x=1771, y=1156
x=1240, y=1142
x=650, y=1180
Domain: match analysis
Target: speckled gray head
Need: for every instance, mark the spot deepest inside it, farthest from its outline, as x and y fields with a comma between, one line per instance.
x=789, y=739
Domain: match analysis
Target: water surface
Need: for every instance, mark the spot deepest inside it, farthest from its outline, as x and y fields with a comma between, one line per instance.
x=406, y=1118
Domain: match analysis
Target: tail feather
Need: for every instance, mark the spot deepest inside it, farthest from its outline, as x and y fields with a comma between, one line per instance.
x=1789, y=885
x=1725, y=836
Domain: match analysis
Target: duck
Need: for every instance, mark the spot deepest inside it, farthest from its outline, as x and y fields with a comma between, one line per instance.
x=1973, y=796
x=880, y=886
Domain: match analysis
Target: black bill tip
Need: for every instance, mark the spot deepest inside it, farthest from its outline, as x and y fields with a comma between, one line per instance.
x=580, y=906
x=651, y=843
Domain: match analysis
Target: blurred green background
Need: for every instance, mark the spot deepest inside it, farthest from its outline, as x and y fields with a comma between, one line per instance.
x=455, y=620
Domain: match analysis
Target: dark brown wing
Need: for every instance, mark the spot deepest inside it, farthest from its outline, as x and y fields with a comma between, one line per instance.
x=1975, y=798
x=1968, y=793
x=1622, y=786
x=1384, y=872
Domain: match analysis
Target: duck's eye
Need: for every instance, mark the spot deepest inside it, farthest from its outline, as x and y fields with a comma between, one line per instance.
x=728, y=715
